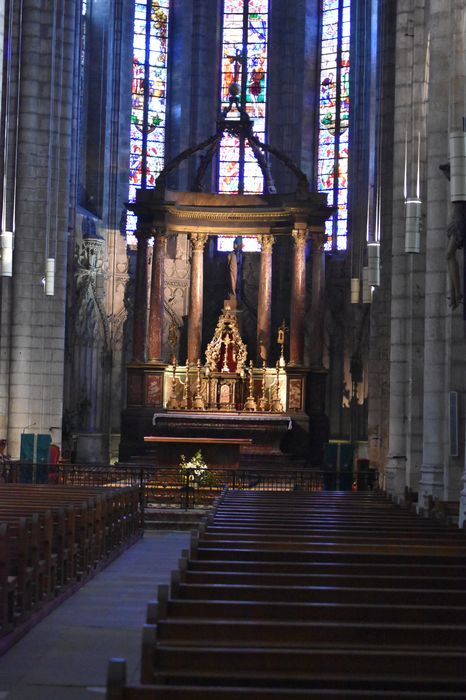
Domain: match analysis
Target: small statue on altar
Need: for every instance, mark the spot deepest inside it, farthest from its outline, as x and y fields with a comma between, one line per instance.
x=234, y=269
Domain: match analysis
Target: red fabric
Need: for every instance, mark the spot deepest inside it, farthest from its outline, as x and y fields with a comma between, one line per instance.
x=54, y=454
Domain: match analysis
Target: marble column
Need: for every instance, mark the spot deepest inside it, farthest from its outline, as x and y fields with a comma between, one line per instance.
x=140, y=296
x=318, y=298
x=196, y=297
x=264, y=304
x=298, y=297
x=156, y=297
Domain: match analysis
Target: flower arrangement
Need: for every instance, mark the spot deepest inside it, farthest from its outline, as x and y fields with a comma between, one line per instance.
x=195, y=469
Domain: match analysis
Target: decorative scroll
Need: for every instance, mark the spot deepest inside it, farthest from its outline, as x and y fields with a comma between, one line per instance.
x=295, y=395
x=154, y=390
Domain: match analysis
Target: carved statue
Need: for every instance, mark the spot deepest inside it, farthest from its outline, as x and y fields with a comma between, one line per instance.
x=234, y=266
x=456, y=233
x=233, y=272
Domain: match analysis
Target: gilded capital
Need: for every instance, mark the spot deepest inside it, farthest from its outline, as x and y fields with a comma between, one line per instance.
x=266, y=242
x=160, y=236
x=198, y=241
x=299, y=237
x=319, y=239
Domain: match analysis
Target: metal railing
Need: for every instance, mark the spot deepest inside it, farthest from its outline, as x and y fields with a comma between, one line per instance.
x=178, y=488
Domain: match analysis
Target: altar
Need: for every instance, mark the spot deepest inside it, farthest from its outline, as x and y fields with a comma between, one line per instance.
x=231, y=440
x=224, y=388
x=231, y=411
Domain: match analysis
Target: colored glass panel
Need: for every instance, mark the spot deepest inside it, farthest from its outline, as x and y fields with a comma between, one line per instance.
x=149, y=87
x=244, y=47
x=332, y=169
x=249, y=244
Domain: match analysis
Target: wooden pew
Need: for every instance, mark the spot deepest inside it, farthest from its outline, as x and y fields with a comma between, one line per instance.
x=291, y=611
x=119, y=689
x=288, y=591
x=54, y=536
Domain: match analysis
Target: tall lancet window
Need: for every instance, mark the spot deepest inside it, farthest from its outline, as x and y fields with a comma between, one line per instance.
x=244, y=65
x=149, y=90
x=334, y=116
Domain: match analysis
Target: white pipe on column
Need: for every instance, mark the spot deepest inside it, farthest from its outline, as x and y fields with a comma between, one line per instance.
x=6, y=241
x=413, y=225
x=355, y=288
x=373, y=264
x=366, y=287
x=458, y=166
x=50, y=277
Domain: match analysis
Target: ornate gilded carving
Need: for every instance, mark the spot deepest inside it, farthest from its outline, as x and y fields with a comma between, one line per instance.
x=250, y=404
x=226, y=334
x=263, y=403
x=246, y=214
x=281, y=342
x=198, y=401
x=172, y=403
x=266, y=242
x=299, y=236
x=277, y=405
x=198, y=241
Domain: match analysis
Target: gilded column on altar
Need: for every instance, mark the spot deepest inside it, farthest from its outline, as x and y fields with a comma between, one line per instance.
x=264, y=304
x=156, y=295
x=140, y=297
x=298, y=296
x=196, y=296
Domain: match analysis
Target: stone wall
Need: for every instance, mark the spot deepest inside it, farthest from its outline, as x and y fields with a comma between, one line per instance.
x=34, y=324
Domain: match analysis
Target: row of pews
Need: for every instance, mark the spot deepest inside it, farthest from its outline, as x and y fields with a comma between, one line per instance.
x=53, y=538
x=308, y=595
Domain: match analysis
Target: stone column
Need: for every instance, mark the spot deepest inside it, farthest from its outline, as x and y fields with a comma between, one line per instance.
x=196, y=297
x=264, y=304
x=438, y=331
x=140, y=297
x=298, y=296
x=156, y=297
x=318, y=298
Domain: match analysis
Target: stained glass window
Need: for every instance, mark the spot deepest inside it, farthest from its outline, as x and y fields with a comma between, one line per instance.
x=244, y=63
x=332, y=176
x=149, y=87
x=249, y=244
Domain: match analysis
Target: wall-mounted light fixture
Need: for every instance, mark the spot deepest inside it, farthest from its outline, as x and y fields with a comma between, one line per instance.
x=50, y=277
x=6, y=244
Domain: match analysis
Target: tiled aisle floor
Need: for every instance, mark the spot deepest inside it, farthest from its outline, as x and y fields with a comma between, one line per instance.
x=65, y=656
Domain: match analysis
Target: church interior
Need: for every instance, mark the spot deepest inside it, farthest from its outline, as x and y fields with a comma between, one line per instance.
x=237, y=228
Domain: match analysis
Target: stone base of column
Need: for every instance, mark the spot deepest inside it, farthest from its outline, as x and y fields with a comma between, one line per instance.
x=395, y=478
x=91, y=448
x=430, y=486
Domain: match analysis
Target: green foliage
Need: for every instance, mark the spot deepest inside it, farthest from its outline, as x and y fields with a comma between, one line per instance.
x=196, y=469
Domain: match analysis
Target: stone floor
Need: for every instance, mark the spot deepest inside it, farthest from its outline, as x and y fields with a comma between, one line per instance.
x=65, y=656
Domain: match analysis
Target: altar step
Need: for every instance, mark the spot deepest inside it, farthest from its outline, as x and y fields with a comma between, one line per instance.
x=272, y=461
x=173, y=518
x=252, y=460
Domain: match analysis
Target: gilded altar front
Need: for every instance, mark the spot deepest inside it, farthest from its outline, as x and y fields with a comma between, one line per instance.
x=225, y=382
